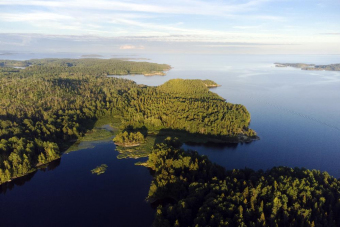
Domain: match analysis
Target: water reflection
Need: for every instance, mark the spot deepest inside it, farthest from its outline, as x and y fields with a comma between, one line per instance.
x=213, y=146
x=24, y=179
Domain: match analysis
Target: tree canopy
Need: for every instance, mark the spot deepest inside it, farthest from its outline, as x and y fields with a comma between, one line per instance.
x=53, y=102
x=192, y=191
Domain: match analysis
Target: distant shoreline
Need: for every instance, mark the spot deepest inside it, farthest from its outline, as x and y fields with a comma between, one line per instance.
x=312, y=67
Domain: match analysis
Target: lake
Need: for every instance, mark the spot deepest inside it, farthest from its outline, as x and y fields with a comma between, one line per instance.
x=296, y=114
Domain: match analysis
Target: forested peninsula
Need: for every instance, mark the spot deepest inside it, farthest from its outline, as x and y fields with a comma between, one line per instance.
x=303, y=66
x=189, y=190
x=53, y=102
x=86, y=66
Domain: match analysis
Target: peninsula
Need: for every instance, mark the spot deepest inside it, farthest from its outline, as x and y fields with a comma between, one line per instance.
x=57, y=101
x=190, y=190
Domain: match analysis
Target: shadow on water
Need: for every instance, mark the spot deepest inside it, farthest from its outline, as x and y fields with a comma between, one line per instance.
x=229, y=146
x=197, y=139
x=50, y=166
x=192, y=139
x=63, y=146
x=24, y=179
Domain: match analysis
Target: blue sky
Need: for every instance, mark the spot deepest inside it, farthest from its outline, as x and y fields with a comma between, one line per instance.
x=177, y=26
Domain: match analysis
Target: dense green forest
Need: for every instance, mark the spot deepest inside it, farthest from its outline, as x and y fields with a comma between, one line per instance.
x=50, y=104
x=192, y=191
x=85, y=66
x=129, y=138
x=186, y=105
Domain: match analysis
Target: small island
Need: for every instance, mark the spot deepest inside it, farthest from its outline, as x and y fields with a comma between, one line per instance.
x=313, y=67
x=99, y=169
x=129, y=139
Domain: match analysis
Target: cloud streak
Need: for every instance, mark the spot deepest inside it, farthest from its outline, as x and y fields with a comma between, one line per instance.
x=33, y=17
x=159, y=7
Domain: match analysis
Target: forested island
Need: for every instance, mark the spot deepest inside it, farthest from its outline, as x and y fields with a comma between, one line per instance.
x=53, y=102
x=99, y=169
x=92, y=56
x=303, y=66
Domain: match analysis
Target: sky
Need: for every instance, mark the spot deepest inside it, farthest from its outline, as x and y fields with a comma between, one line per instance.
x=176, y=26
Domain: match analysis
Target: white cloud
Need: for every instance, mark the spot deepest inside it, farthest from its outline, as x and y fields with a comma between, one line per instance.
x=32, y=17
x=135, y=24
x=215, y=8
x=111, y=18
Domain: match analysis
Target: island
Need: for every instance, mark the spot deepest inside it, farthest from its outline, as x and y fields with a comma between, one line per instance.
x=92, y=56
x=7, y=53
x=303, y=66
x=129, y=139
x=99, y=169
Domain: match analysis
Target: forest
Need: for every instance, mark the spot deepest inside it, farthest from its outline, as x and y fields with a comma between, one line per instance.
x=86, y=66
x=192, y=191
x=51, y=103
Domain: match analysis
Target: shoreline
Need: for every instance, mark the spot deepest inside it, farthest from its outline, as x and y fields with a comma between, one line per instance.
x=35, y=168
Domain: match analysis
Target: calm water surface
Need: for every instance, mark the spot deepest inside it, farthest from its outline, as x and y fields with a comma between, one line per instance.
x=296, y=114
x=70, y=195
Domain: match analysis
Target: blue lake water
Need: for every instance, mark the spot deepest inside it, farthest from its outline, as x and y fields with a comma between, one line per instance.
x=296, y=114
x=70, y=195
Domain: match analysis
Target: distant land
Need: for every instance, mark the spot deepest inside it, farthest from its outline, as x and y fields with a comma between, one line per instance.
x=7, y=53
x=128, y=59
x=113, y=66
x=303, y=66
x=91, y=56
